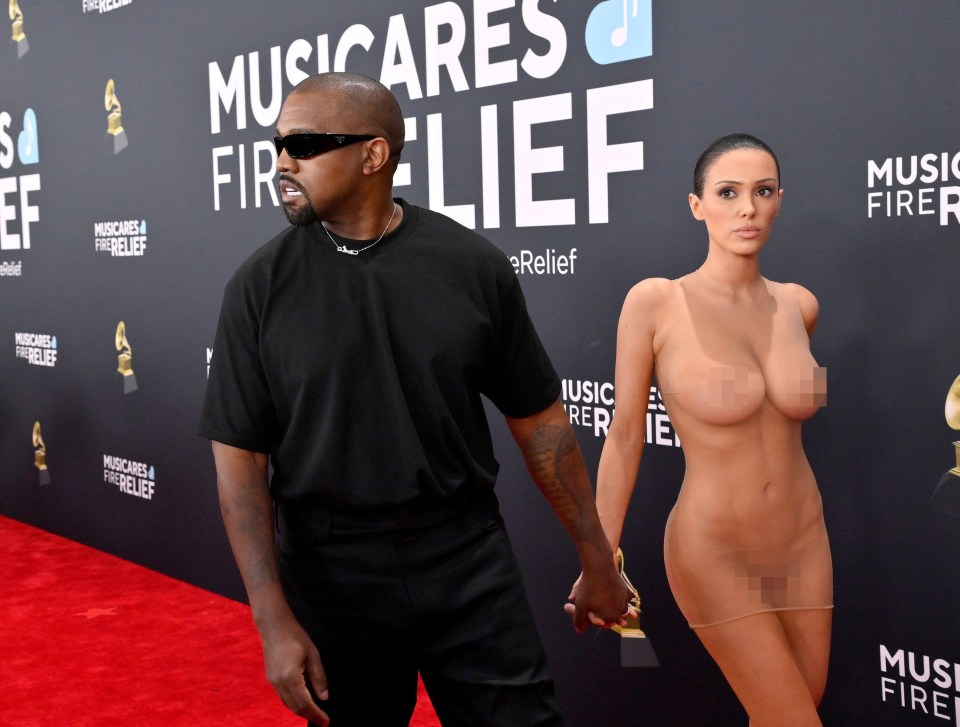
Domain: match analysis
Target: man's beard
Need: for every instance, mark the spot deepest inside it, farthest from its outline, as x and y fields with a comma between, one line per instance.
x=303, y=215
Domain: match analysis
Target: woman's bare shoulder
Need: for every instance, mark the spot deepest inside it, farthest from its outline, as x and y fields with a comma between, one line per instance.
x=806, y=301
x=645, y=313
x=650, y=293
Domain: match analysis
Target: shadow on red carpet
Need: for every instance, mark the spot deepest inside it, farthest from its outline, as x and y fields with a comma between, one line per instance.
x=90, y=640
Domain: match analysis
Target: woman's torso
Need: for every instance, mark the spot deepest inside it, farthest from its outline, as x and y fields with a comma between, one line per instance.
x=738, y=379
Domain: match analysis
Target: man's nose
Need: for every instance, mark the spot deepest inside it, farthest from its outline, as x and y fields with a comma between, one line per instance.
x=285, y=162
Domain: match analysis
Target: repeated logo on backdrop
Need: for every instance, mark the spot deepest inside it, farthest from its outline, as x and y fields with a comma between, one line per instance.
x=951, y=412
x=590, y=405
x=18, y=208
x=550, y=262
x=916, y=185
x=617, y=31
x=920, y=683
x=129, y=476
x=125, y=359
x=116, y=135
x=36, y=349
x=40, y=456
x=17, y=34
x=120, y=238
x=103, y=6
x=946, y=496
x=620, y=30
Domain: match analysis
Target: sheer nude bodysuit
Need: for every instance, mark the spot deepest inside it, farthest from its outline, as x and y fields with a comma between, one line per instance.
x=747, y=533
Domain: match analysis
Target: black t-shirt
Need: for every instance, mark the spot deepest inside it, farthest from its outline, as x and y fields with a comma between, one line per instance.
x=361, y=374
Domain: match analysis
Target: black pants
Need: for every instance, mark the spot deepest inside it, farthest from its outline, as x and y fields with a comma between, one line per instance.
x=436, y=592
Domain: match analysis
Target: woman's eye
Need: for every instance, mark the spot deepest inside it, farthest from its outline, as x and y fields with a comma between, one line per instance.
x=764, y=191
x=727, y=193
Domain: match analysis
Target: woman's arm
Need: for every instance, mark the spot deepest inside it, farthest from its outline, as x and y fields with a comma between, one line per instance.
x=623, y=448
x=809, y=307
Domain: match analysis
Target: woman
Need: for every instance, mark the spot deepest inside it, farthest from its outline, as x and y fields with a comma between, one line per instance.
x=745, y=548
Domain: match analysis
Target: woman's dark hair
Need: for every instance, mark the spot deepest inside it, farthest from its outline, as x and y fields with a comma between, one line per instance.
x=720, y=147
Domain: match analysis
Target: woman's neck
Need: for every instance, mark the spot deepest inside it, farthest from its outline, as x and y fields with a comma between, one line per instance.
x=729, y=272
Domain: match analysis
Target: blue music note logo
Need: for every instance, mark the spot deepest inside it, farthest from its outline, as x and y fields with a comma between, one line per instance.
x=620, y=30
x=27, y=143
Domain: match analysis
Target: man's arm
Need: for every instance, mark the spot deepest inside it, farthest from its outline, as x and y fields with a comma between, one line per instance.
x=553, y=458
x=248, y=514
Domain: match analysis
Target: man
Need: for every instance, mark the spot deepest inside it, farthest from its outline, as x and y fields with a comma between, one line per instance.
x=352, y=350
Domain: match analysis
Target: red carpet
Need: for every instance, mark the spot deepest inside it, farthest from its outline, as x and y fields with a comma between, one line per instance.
x=89, y=640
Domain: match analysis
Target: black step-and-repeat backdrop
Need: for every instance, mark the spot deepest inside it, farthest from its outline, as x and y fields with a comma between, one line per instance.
x=136, y=173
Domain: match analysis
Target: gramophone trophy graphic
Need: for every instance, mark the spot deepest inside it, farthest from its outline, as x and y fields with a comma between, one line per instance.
x=627, y=645
x=16, y=15
x=40, y=456
x=114, y=126
x=125, y=360
x=947, y=494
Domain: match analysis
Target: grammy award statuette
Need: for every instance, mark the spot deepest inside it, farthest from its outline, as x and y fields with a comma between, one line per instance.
x=947, y=494
x=125, y=360
x=16, y=15
x=40, y=456
x=627, y=645
x=114, y=125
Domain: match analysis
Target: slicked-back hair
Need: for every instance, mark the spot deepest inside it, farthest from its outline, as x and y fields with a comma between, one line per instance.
x=721, y=146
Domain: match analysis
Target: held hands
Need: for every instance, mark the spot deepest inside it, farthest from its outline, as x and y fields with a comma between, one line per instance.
x=290, y=659
x=600, y=598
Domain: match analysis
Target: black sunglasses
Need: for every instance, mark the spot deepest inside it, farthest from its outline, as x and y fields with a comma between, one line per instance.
x=301, y=146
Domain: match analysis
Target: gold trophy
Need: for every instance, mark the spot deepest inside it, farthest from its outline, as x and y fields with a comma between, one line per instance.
x=628, y=645
x=16, y=15
x=114, y=125
x=951, y=410
x=40, y=456
x=125, y=360
x=947, y=494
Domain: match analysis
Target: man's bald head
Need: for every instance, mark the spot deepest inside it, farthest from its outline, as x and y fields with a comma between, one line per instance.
x=364, y=105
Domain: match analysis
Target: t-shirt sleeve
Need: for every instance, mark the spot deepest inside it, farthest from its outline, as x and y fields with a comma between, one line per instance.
x=238, y=409
x=522, y=379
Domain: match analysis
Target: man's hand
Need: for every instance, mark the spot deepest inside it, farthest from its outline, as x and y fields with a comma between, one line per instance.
x=291, y=658
x=599, y=601
x=248, y=515
x=553, y=459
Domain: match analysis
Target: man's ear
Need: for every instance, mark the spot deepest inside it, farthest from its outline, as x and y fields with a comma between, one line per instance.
x=377, y=155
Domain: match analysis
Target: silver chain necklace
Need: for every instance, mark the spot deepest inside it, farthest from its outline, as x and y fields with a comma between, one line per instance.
x=350, y=251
